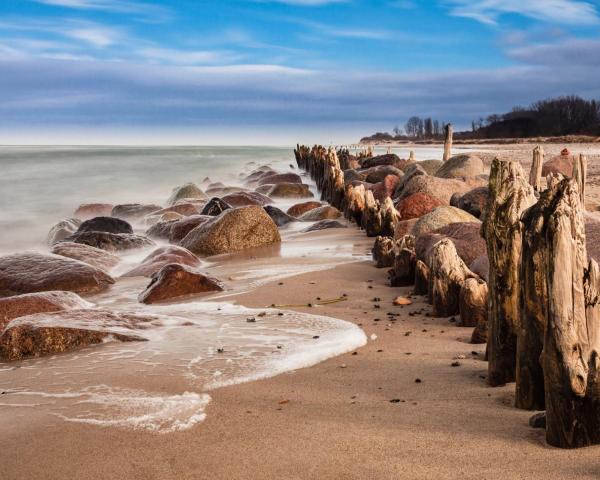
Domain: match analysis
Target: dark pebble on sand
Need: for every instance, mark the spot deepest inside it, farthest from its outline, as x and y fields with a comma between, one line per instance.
x=379, y=351
x=220, y=350
x=395, y=400
x=315, y=337
x=370, y=286
x=407, y=334
x=455, y=364
x=538, y=420
x=251, y=320
x=354, y=353
x=418, y=380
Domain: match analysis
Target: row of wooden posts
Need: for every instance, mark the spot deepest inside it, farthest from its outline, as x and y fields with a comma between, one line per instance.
x=543, y=295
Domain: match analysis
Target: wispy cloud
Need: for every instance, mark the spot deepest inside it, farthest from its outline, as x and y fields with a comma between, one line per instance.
x=307, y=3
x=554, y=11
x=99, y=37
x=149, y=11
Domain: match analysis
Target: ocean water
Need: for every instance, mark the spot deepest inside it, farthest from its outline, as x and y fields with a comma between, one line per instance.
x=164, y=384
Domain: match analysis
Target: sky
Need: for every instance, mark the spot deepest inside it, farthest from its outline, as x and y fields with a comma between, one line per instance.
x=251, y=72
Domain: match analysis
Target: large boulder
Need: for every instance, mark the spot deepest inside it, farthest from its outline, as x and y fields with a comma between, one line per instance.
x=134, y=211
x=429, y=166
x=165, y=218
x=57, y=332
x=351, y=175
x=325, y=225
x=169, y=254
x=105, y=224
x=232, y=231
x=36, y=272
x=91, y=255
x=417, y=205
x=243, y=199
x=91, y=210
x=377, y=174
x=440, y=217
x=62, y=230
x=404, y=227
x=301, y=208
x=386, y=187
x=179, y=229
x=162, y=229
x=289, y=190
x=189, y=190
x=561, y=164
x=440, y=188
x=38, y=302
x=279, y=216
x=276, y=178
x=474, y=201
x=324, y=212
x=184, y=208
x=175, y=280
x=111, y=242
x=461, y=166
x=215, y=206
x=481, y=266
x=386, y=159
x=465, y=236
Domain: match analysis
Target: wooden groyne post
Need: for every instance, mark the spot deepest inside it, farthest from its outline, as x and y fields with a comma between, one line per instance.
x=448, y=129
x=535, y=175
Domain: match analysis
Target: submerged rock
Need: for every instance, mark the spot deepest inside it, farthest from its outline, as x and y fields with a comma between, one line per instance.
x=51, y=333
x=62, y=230
x=324, y=212
x=175, y=280
x=179, y=229
x=182, y=208
x=105, y=224
x=39, y=302
x=91, y=255
x=289, y=190
x=189, y=190
x=276, y=178
x=36, y=272
x=111, y=242
x=134, y=211
x=325, y=224
x=243, y=199
x=162, y=256
x=301, y=208
x=232, y=231
x=279, y=216
x=91, y=210
x=215, y=206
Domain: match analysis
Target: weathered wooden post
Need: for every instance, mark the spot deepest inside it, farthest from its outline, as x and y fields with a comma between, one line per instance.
x=510, y=194
x=535, y=175
x=580, y=176
x=412, y=156
x=448, y=141
x=566, y=342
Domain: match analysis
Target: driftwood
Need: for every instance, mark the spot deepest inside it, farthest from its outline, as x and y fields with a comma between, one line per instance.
x=421, y=278
x=447, y=275
x=448, y=142
x=510, y=194
x=535, y=175
x=472, y=303
x=389, y=217
x=371, y=220
x=384, y=252
x=580, y=176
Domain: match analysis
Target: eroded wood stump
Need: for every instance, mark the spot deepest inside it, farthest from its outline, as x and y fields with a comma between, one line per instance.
x=535, y=175
x=421, y=278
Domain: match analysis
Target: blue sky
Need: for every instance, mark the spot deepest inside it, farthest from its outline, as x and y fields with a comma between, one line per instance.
x=280, y=71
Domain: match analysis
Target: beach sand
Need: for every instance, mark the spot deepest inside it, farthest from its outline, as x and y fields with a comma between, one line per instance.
x=360, y=415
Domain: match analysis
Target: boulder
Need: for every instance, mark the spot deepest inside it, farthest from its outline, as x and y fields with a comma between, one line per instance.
x=279, y=216
x=301, y=208
x=105, y=224
x=461, y=166
x=417, y=205
x=440, y=217
x=161, y=229
x=325, y=224
x=169, y=254
x=243, y=199
x=215, y=206
x=264, y=189
x=62, y=230
x=324, y=212
x=57, y=332
x=429, y=166
x=234, y=230
x=467, y=241
x=91, y=210
x=377, y=174
x=39, y=302
x=562, y=164
x=91, y=255
x=182, y=208
x=276, y=178
x=481, y=266
x=36, y=272
x=289, y=190
x=111, y=242
x=134, y=211
x=386, y=187
x=189, y=190
x=404, y=227
x=351, y=175
x=180, y=228
x=386, y=159
x=440, y=188
x=167, y=217
x=473, y=202
x=225, y=190
x=175, y=280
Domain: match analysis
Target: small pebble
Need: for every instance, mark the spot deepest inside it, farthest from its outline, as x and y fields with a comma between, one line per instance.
x=418, y=380
x=455, y=364
x=395, y=400
x=315, y=337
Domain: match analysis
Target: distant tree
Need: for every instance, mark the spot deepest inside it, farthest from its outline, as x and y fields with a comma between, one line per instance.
x=397, y=131
x=412, y=126
x=437, y=131
x=428, y=127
